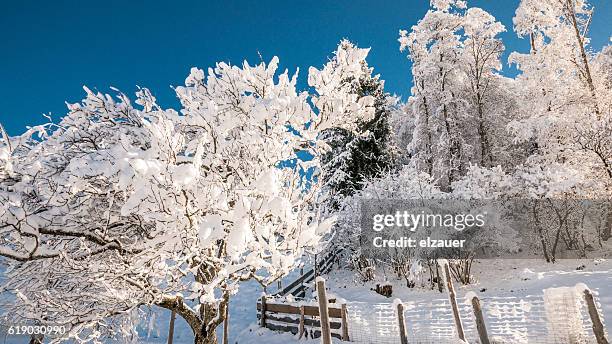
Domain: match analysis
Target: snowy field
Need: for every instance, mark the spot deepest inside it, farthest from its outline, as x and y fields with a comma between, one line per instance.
x=523, y=279
x=504, y=286
x=498, y=278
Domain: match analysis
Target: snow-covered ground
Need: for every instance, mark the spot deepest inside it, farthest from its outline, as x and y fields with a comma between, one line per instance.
x=523, y=279
x=508, y=277
x=242, y=316
x=496, y=280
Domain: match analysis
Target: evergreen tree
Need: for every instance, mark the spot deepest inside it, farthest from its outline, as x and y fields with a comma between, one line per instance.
x=360, y=144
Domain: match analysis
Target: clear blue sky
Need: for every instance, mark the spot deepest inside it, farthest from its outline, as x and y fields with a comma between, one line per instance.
x=49, y=49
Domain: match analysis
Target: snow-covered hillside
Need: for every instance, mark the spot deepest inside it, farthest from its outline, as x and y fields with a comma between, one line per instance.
x=495, y=278
x=521, y=279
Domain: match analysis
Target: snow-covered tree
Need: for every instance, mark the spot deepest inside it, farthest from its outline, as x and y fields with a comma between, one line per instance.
x=433, y=46
x=594, y=135
x=559, y=71
x=556, y=220
x=118, y=206
x=481, y=59
x=558, y=33
x=408, y=183
x=567, y=122
x=459, y=102
x=357, y=110
x=412, y=190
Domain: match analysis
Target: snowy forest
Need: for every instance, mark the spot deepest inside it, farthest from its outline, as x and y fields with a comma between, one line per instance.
x=123, y=205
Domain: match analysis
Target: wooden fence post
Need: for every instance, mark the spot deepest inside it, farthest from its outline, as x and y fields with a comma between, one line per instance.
x=453, y=300
x=262, y=319
x=440, y=283
x=401, y=322
x=301, y=321
x=171, y=329
x=343, y=311
x=226, y=325
x=480, y=323
x=323, y=312
x=598, y=328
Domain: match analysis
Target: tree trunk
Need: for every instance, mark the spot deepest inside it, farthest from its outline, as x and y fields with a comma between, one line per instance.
x=226, y=326
x=454, y=150
x=208, y=331
x=583, y=55
x=607, y=230
x=428, y=145
x=429, y=159
x=212, y=316
x=210, y=339
x=486, y=158
x=37, y=339
x=540, y=232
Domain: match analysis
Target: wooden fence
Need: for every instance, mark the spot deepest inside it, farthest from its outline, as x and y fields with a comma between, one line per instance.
x=326, y=320
x=297, y=288
x=329, y=319
x=303, y=320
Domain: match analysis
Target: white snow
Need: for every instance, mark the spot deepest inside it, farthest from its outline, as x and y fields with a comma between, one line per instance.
x=507, y=294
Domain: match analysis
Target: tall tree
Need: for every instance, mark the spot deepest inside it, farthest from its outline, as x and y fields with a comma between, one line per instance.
x=570, y=110
x=481, y=59
x=456, y=91
x=460, y=104
x=560, y=27
x=118, y=207
x=358, y=109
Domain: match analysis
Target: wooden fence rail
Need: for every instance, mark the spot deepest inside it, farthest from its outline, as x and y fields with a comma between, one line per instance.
x=309, y=310
x=297, y=288
x=282, y=317
x=292, y=318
